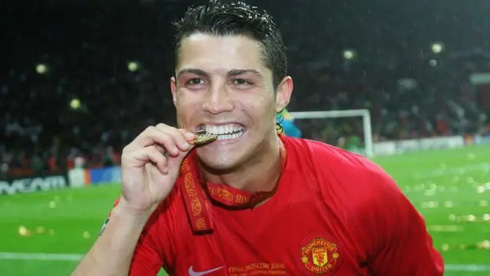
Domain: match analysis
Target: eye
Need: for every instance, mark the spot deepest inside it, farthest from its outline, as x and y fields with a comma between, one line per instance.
x=241, y=82
x=195, y=81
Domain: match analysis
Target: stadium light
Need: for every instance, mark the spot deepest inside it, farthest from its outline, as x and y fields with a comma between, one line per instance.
x=349, y=54
x=41, y=69
x=133, y=66
x=75, y=104
x=437, y=48
x=433, y=62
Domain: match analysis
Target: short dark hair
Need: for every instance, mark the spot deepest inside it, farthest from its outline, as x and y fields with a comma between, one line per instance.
x=236, y=18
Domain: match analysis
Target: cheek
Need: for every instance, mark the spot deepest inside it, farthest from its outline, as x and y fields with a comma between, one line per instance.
x=186, y=111
x=261, y=112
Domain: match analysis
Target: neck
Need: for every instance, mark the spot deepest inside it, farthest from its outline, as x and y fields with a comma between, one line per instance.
x=258, y=174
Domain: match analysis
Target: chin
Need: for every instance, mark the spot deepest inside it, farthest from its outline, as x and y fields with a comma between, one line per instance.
x=218, y=164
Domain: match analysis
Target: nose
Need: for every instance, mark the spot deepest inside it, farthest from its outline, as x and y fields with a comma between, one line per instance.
x=217, y=100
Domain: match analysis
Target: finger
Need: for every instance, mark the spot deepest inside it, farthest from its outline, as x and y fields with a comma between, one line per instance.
x=148, y=137
x=139, y=141
x=149, y=154
x=154, y=136
x=178, y=136
x=157, y=158
x=174, y=162
x=161, y=150
x=189, y=136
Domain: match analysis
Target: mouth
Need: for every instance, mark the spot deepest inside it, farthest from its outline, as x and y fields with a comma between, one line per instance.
x=223, y=131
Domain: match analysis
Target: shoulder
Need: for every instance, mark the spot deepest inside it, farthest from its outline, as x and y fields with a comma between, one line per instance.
x=321, y=151
x=333, y=160
x=348, y=175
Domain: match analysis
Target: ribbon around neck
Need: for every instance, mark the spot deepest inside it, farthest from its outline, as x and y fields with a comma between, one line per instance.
x=198, y=193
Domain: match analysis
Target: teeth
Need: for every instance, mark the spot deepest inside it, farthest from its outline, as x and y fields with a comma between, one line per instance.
x=223, y=130
x=230, y=136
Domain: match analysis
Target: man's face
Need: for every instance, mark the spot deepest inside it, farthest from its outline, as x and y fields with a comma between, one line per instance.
x=223, y=85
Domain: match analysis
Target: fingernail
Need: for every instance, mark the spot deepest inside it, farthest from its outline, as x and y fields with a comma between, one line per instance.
x=186, y=145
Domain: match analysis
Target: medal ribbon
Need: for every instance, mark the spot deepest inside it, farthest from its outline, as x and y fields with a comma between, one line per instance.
x=196, y=192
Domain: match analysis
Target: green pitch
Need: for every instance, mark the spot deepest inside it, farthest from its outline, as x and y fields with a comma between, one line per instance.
x=451, y=188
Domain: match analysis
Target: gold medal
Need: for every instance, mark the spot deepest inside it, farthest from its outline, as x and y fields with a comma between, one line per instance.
x=203, y=138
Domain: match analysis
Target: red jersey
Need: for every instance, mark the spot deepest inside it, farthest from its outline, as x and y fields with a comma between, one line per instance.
x=333, y=212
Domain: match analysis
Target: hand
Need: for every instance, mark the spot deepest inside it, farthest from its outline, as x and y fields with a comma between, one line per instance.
x=150, y=165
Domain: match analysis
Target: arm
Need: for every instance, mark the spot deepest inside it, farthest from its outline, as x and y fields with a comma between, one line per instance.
x=150, y=166
x=113, y=251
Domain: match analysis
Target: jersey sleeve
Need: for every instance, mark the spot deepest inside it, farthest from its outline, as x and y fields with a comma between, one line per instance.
x=147, y=258
x=156, y=248
x=401, y=244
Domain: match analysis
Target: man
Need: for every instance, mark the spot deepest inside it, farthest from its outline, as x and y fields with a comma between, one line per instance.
x=252, y=202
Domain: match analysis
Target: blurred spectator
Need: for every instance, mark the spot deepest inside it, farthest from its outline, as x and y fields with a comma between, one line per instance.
x=69, y=99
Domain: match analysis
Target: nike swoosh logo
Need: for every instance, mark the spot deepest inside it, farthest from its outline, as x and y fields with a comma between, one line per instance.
x=200, y=273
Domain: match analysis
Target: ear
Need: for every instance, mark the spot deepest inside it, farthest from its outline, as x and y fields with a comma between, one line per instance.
x=173, y=88
x=283, y=93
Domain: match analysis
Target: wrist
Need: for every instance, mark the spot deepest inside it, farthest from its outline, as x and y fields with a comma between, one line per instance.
x=125, y=208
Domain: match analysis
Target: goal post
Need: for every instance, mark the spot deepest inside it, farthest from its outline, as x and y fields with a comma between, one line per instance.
x=364, y=113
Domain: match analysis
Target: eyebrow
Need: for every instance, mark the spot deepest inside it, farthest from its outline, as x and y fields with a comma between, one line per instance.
x=237, y=72
x=198, y=72
x=231, y=73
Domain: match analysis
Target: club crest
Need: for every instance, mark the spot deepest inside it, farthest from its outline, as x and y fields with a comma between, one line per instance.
x=320, y=255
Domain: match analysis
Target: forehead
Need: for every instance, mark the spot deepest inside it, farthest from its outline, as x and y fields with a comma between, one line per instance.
x=210, y=53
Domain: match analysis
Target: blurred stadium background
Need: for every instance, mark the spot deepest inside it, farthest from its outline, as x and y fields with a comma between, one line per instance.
x=79, y=79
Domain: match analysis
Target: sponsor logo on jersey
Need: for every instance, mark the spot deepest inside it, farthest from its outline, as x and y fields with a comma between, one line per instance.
x=200, y=273
x=320, y=255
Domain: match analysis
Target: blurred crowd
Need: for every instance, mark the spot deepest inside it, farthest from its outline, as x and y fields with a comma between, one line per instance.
x=410, y=90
